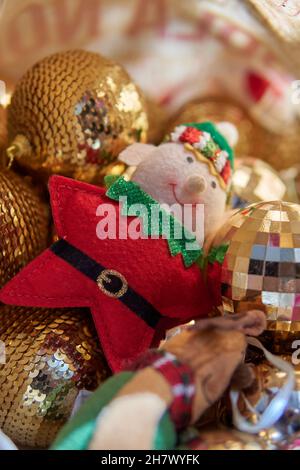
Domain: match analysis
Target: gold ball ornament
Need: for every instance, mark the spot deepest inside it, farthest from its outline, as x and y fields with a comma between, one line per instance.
x=157, y=117
x=50, y=356
x=225, y=439
x=255, y=181
x=24, y=224
x=261, y=265
x=278, y=150
x=73, y=113
x=291, y=178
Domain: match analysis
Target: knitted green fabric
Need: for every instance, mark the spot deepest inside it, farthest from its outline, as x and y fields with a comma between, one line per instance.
x=156, y=221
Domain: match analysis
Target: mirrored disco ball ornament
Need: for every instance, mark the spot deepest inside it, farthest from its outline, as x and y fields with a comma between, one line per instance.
x=261, y=268
x=255, y=181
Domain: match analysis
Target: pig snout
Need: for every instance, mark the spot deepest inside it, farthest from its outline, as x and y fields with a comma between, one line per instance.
x=195, y=184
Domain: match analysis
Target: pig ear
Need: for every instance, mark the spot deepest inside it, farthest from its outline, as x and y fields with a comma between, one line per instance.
x=135, y=154
x=229, y=131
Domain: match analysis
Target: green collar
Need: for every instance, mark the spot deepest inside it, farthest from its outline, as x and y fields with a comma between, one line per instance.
x=164, y=225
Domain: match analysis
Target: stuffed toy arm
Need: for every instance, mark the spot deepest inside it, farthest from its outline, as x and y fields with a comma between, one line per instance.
x=167, y=390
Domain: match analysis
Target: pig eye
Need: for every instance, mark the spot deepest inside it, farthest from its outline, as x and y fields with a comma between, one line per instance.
x=189, y=159
x=213, y=184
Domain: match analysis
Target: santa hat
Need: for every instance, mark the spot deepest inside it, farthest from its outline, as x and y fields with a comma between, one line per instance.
x=208, y=143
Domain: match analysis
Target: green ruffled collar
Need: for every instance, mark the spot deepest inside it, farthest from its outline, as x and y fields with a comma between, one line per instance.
x=165, y=226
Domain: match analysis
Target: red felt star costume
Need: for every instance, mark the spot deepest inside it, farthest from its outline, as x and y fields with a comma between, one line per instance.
x=146, y=291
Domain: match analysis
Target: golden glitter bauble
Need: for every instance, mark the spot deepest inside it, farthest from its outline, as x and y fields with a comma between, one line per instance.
x=255, y=181
x=261, y=269
x=279, y=150
x=157, y=117
x=24, y=224
x=73, y=113
x=225, y=439
x=50, y=355
x=291, y=178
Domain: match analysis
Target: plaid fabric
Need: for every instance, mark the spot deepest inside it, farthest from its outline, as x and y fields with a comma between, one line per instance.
x=181, y=379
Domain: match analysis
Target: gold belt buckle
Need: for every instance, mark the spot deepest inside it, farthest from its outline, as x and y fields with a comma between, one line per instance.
x=105, y=277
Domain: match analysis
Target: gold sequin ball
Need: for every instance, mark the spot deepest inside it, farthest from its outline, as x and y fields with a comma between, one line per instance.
x=49, y=356
x=279, y=150
x=261, y=268
x=24, y=224
x=254, y=181
x=72, y=113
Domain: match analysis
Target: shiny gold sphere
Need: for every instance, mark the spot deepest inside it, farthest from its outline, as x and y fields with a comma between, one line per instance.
x=278, y=150
x=72, y=113
x=261, y=266
x=226, y=439
x=291, y=178
x=50, y=355
x=24, y=224
x=255, y=181
x=158, y=121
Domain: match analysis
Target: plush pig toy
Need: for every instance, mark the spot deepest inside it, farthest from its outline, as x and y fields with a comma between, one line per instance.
x=193, y=167
x=135, y=273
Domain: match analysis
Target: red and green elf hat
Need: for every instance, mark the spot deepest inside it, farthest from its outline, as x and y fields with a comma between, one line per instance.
x=209, y=146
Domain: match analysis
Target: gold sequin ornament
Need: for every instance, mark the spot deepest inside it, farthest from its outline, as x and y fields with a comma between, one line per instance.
x=24, y=224
x=261, y=269
x=255, y=181
x=73, y=113
x=278, y=150
x=50, y=356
